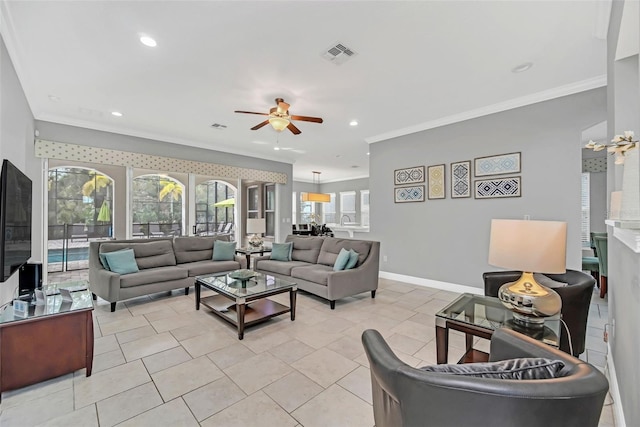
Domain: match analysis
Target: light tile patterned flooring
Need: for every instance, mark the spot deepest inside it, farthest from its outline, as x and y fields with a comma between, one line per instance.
x=159, y=362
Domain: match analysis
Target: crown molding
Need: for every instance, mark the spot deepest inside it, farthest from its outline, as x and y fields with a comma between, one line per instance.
x=534, y=98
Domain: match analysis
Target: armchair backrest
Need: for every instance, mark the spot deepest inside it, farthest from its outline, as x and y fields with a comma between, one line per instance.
x=407, y=396
x=601, y=248
x=576, y=297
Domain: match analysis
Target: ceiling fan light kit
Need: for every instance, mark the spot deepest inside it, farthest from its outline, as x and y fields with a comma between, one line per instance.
x=279, y=118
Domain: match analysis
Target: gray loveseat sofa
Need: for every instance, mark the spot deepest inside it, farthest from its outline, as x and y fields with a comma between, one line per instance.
x=311, y=267
x=164, y=264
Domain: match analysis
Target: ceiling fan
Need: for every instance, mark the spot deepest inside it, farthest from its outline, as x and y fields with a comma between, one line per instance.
x=280, y=118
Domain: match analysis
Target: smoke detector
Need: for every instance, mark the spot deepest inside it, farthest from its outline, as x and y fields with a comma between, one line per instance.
x=338, y=53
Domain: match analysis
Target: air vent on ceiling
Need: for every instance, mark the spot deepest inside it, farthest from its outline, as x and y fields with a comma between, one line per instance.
x=338, y=54
x=218, y=126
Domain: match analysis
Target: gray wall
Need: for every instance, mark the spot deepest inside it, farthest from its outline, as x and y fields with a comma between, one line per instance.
x=598, y=201
x=94, y=138
x=448, y=240
x=624, y=264
x=16, y=145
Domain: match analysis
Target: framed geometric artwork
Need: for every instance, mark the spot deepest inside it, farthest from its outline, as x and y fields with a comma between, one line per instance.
x=497, y=165
x=406, y=176
x=497, y=188
x=436, y=182
x=461, y=179
x=409, y=194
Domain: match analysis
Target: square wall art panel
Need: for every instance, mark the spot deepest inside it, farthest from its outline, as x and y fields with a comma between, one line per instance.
x=497, y=188
x=461, y=179
x=497, y=165
x=412, y=175
x=436, y=182
x=409, y=194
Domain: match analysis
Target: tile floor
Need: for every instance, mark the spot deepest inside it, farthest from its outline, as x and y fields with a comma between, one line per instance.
x=159, y=362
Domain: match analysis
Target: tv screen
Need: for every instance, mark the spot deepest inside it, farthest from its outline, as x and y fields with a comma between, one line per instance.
x=15, y=219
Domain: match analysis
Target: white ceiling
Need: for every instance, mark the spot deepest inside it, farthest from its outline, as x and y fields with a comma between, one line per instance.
x=419, y=64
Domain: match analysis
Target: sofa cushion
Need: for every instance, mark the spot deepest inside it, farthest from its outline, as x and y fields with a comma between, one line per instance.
x=353, y=260
x=224, y=251
x=331, y=248
x=341, y=260
x=278, y=267
x=512, y=369
x=190, y=249
x=281, y=251
x=158, y=253
x=153, y=275
x=316, y=273
x=305, y=248
x=121, y=262
x=199, y=268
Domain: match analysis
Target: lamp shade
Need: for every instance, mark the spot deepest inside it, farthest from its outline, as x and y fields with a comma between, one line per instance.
x=531, y=246
x=279, y=123
x=316, y=197
x=256, y=226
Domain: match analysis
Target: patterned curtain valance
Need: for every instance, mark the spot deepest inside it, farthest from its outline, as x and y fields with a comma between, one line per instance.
x=596, y=164
x=106, y=156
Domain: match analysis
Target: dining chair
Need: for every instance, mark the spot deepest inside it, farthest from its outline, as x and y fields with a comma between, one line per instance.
x=601, y=247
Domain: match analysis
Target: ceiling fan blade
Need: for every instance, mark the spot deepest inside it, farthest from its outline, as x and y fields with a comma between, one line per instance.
x=283, y=107
x=293, y=129
x=251, y=112
x=307, y=119
x=258, y=126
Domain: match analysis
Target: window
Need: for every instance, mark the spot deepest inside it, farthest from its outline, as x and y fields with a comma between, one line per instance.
x=329, y=210
x=585, y=226
x=364, y=208
x=253, y=202
x=270, y=209
x=307, y=212
x=294, y=209
x=348, y=206
x=209, y=217
x=157, y=205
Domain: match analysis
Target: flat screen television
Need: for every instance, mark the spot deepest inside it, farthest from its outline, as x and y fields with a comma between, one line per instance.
x=15, y=219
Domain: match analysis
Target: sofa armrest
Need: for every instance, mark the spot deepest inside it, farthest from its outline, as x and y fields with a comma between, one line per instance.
x=242, y=260
x=105, y=284
x=363, y=278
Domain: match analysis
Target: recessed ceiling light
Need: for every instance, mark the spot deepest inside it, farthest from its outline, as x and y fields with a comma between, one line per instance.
x=522, y=67
x=276, y=148
x=116, y=113
x=148, y=41
x=367, y=153
x=353, y=123
x=54, y=98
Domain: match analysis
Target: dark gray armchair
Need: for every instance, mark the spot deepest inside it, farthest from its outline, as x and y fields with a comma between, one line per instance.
x=576, y=298
x=406, y=396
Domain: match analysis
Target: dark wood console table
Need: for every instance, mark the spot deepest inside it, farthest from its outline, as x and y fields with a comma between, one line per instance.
x=53, y=340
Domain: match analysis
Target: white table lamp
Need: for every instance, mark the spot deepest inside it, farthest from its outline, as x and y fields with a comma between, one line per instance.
x=255, y=227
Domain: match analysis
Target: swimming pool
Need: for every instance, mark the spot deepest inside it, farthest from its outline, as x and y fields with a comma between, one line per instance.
x=73, y=254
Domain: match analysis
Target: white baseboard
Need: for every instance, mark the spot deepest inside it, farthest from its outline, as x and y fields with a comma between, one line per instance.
x=420, y=281
x=618, y=414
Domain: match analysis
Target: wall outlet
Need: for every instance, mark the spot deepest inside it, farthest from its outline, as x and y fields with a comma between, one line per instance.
x=384, y=258
x=527, y=217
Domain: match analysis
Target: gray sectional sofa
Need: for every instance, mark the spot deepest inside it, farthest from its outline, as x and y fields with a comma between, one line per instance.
x=165, y=264
x=311, y=267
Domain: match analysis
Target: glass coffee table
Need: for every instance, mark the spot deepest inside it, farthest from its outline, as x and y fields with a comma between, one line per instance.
x=243, y=302
x=479, y=316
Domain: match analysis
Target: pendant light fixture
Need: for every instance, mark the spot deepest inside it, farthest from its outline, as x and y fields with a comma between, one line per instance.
x=316, y=197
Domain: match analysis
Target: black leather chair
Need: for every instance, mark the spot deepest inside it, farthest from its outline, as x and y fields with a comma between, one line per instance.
x=407, y=396
x=576, y=297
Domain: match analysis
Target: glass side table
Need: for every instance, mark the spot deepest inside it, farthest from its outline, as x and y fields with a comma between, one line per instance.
x=479, y=316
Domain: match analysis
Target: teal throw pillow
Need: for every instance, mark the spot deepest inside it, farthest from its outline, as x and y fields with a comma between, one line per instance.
x=121, y=262
x=353, y=260
x=341, y=260
x=224, y=251
x=281, y=251
x=103, y=261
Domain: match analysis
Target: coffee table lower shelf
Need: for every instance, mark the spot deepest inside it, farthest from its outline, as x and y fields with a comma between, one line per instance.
x=474, y=356
x=254, y=312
